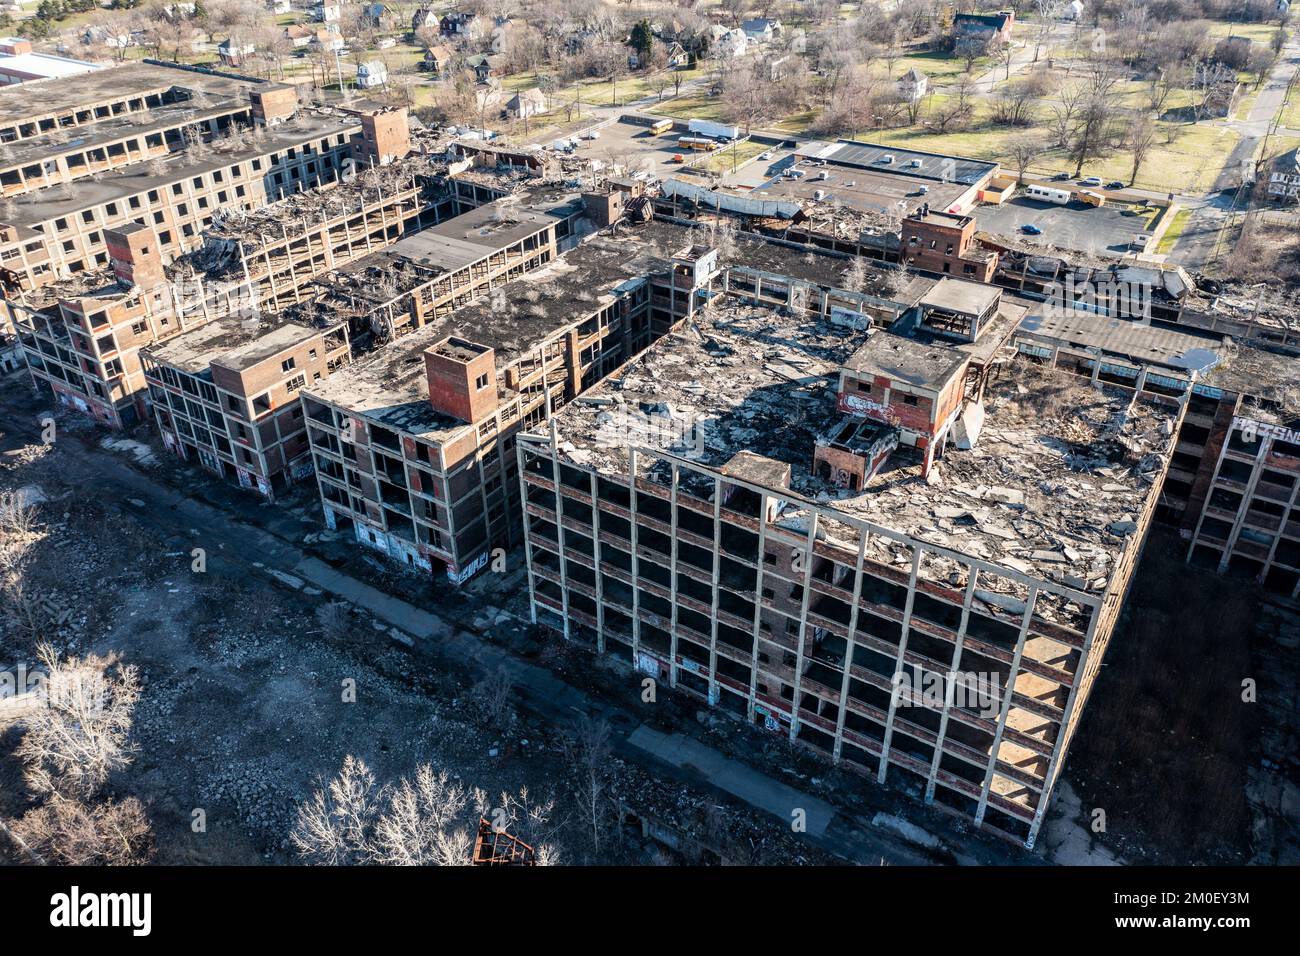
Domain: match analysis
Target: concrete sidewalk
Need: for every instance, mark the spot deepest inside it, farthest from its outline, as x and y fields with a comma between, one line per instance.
x=735, y=778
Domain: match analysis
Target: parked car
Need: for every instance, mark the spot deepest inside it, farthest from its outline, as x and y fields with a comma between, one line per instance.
x=1090, y=181
x=1060, y=177
x=1029, y=229
x=1114, y=184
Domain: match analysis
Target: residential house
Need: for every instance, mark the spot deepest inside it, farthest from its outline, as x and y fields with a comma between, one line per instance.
x=486, y=66
x=371, y=73
x=1284, y=177
x=327, y=39
x=299, y=36
x=727, y=44
x=422, y=16
x=463, y=26
x=912, y=85
x=234, y=52
x=501, y=34
x=761, y=29
x=995, y=28
x=115, y=38
x=438, y=60
x=677, y=55
x=327, y=12
x=526, y=103
x=376, y=15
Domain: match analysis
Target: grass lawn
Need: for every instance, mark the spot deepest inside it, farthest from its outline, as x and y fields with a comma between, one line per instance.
x=795, y=123
x=1190, y=164
x=628, y=88
x=1175, y=230
x=1257, y=32
x=691, y=106
x=940, y=67
x=546, y=126
x=520, y=81
x=1290, y=113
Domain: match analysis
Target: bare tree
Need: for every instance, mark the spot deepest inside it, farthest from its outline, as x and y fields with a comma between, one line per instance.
x=492, y=698
x=1013, y=104
x=82, y=734
x=1063, y=112
x=1024, y=149
x=1049, y=11
x=1092, y=131
x=971, y=48
x=68, y=832
x=419, y=821
x=334, y=620
x=423, y=821
x=588, y=751
x=1141, y=137
x=419, y=825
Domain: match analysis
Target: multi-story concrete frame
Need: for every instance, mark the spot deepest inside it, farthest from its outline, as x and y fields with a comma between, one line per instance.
x=277, y=250
x=226, y=394
x=1229, y=493
x=414, y=448
x=174, y=184
x=724, y=565
x=61, y=131
x=1250, y=525
x=428, y=276
x=82, y=335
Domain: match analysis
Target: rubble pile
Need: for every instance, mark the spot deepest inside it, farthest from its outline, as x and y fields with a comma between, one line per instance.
x=1052, y=489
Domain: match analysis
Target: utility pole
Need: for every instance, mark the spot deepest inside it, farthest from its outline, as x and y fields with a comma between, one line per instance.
x=338, y=66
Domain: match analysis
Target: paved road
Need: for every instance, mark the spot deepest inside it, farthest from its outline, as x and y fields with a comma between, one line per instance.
x=1211, y=214
x=237, y=547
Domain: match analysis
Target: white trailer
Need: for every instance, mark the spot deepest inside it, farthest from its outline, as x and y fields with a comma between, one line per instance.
x=716, y=130
x=1048, y=194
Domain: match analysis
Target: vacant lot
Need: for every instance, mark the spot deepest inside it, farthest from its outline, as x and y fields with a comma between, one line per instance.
x=249, y=699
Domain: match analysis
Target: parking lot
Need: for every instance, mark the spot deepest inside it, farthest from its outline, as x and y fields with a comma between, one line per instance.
x=624, y=144
x=1106, y=230
x=761, y=170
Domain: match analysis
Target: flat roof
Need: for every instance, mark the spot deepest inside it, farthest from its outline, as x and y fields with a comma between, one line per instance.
x=905, y=162
x=112, y=129
x=64, y=199
x=231, y=342
x=958, y=295
x=904, y=359
x=46, y=66
x=881, y=191
x=1185, y=350
x=390, y=387
x=1052, y=488
x=1272, y=377
x=63, y=94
